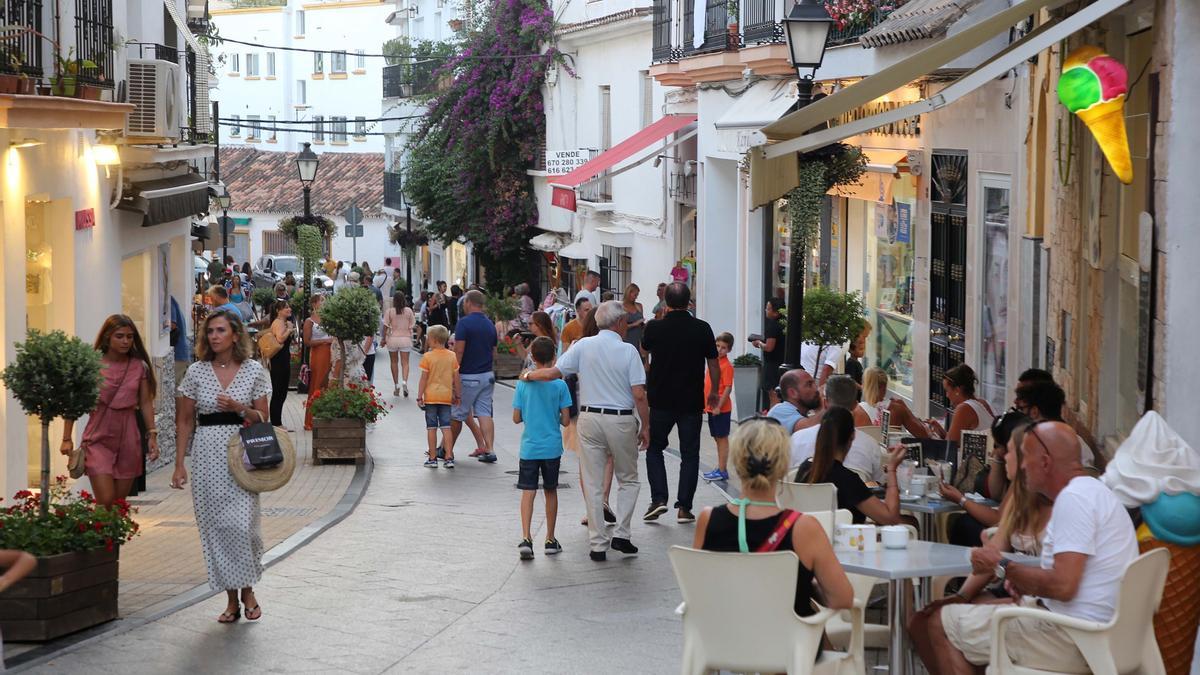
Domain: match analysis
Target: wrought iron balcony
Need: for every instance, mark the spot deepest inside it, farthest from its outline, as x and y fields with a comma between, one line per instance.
x=717, y=37
x=94, y=41
x=682, y=187
x=393, y=196
x=662, y=49
x=762, y=22
x=853, y=31
x=405, y=80
x=22, y=53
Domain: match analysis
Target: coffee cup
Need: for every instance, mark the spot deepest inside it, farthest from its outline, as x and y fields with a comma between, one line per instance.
x=894, y=536
x=868, y=538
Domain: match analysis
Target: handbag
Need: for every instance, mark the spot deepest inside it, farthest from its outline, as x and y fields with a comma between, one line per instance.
x=302, y=380
x=268, y=344
x=77, y=462
x=785, y=525
x=260, y=446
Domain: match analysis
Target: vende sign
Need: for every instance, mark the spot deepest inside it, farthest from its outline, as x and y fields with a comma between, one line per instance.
x=562, y=162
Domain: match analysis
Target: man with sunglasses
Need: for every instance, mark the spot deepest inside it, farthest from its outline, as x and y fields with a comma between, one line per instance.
x=1087, y=545
x=1040, y=397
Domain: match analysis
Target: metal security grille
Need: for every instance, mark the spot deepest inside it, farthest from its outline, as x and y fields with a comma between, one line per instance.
x=761, y=24
x=616, y=268
x=948, y=270
x=93, y=41
x=661, y=50
x=23, y=52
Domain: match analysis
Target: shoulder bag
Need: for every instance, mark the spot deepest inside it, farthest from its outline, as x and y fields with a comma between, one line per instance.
x=268, y=344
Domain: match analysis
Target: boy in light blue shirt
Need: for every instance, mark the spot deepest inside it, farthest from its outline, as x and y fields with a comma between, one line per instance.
x=543, y=407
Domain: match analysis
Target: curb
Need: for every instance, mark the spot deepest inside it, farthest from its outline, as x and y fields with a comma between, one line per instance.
x=67, y=644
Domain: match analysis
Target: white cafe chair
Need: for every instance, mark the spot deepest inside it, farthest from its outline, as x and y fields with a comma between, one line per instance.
x=767, y=636
x=806, y=497
x=1124, y=644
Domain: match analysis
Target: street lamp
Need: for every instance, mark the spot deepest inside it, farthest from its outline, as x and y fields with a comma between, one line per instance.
x=807, y=29
x=224, y=201
x=306, y=164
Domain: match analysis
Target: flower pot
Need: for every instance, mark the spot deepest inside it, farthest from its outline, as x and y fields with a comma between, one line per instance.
x=9, y=83
x=339, y=439
x=506, y=366
x=66, y=593
x=745, y=391
x=89, y=92
x=25, y=86
x=64, y=86
x=735, y=37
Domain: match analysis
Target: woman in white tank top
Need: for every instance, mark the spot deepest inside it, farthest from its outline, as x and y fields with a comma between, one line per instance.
x=968, y=413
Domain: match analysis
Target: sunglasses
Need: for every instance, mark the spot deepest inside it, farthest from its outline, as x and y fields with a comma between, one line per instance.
x=760, y=418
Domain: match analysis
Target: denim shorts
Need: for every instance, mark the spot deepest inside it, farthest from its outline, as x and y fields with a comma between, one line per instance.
x=437, y=415
x=718, y=425
x=528, y=470
x=476, y=396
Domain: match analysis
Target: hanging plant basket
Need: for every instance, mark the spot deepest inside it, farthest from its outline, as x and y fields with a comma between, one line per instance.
x=408, y=239
x=290, y=226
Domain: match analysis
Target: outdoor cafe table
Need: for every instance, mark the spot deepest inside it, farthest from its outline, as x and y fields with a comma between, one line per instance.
x=920, y=560
x=927, y=508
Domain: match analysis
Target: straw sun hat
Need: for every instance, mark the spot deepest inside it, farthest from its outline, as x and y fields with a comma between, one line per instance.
x=262, y=480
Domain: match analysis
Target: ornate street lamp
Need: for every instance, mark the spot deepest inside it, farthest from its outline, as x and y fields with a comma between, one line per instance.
x=224, y=200
x=807, y=29
x=307, y=163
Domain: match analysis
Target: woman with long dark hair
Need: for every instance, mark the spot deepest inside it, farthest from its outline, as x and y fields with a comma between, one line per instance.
x=281, y=363
x=223, y=388
x=398, y=324
x=540, y=325
x=970, y=413
x=114, y=444
x=833, y=442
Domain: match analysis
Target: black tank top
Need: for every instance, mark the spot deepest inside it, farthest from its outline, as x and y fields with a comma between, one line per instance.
x=721, y=535
x=283, y=358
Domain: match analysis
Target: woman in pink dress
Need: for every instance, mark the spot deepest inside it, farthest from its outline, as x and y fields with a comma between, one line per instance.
x=114, y=444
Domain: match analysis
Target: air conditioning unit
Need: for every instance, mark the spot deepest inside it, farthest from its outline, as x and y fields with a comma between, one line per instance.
x=154, y=88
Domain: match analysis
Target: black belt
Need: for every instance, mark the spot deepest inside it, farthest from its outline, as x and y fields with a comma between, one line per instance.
x=221, y=419
x=605, y=411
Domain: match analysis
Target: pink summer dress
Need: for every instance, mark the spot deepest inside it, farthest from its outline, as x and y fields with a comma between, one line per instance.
x=114, y=444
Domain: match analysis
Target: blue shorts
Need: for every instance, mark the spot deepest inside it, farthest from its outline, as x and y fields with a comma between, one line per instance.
x=528, y=470
x=718, y=425
x=476, y=396
x=437, y=415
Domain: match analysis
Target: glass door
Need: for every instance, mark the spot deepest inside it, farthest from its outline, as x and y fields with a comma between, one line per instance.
x=993, y=309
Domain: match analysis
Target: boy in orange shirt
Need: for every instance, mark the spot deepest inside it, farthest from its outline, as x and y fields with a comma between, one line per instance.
x=439, y=389
x=719, y=418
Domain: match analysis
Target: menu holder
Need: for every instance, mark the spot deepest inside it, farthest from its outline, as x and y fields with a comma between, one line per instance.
x=913, y=451
x=885, y=425
x=972, y=454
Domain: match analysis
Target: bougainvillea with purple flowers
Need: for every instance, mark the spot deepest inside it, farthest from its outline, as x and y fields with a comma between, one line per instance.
x=466, y=173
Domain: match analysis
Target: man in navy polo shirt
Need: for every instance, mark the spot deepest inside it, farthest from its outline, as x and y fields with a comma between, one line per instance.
x=474, y=345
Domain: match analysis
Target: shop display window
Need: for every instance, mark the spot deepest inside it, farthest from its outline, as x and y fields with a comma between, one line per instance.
x=889, y=296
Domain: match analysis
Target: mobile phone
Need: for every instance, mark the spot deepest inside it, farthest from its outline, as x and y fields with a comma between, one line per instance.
x=753, y=337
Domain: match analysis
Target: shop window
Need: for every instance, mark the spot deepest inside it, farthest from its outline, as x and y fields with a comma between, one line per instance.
x=993, y=308
x=889, y=291
x=616, y=267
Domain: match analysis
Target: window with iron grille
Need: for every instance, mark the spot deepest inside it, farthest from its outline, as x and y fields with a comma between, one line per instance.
x=252, y=65
x=337, y=62
x=275, y=242
x=616, y=267
x=253, y=127
x=21, y=52
x=270, y=64
x=339, y=129
x=272, y=133
x=360, y=126
x=235, y=129
x=93, y=40
x=235, y=63
x=361, y=59
x=319, y=128
x=319, y=62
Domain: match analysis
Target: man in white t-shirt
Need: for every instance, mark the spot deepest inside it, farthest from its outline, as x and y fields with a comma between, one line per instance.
x=831, y=356
x=1087, y=545
x=863, y=456
x=590, y=290
x=385, y=279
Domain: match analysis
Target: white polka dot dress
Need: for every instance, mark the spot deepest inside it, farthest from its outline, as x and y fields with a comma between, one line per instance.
x=227, y=515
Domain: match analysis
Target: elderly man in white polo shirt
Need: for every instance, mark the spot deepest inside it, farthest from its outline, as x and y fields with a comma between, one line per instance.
x=612, y=402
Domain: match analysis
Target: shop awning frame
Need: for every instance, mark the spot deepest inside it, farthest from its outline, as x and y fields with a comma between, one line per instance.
x=166, y=199
x=790, y=130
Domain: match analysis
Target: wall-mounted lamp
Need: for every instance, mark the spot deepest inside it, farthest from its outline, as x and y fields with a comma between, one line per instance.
x=26, y=143
x=658, y=160
x=106, y=155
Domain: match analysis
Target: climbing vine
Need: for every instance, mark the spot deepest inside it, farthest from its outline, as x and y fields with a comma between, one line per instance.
x=466, y=173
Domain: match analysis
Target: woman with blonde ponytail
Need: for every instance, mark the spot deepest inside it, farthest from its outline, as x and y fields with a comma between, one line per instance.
x=759, y=451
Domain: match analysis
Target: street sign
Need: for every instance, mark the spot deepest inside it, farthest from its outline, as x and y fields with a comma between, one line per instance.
x=353, y=215
x=225, y=225
x=354, y=231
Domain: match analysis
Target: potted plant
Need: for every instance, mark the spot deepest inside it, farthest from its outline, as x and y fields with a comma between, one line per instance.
x=503, y=311
x=66, y=73
x=734, y=10
x=455, y=24
x=831, y=319
x=342, y=410
x=13, y=79
x=77, y=544
x=745, y=384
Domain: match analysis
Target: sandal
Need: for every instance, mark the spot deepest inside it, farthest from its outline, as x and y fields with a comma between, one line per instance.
x=231, y=617
x=256, y=611
x=479, y=452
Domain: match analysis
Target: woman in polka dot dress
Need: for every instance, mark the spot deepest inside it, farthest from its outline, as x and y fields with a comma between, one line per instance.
x=224, y=385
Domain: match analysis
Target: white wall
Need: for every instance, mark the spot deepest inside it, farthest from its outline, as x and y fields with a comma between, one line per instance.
x=372, y=247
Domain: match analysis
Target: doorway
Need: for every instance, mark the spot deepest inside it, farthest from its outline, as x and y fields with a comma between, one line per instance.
x=947, y=271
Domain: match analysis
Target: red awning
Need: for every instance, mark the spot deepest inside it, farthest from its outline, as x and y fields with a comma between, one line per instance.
x=564, y=186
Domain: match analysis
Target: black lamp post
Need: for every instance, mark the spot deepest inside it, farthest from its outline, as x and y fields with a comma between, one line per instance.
x=307, y=163
x=807, y=29
x=225, y=201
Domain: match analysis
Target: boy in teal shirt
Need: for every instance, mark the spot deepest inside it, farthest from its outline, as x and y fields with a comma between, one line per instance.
x=543, y=407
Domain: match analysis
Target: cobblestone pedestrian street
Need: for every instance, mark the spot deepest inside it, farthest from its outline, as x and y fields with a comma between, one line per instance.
x=424, y=577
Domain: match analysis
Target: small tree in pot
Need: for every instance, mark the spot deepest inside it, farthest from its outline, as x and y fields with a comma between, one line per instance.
x=831, y=318
x=53, y=375
x=350, y=316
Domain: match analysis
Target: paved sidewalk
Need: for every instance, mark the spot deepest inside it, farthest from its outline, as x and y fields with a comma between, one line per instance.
x=424, y=577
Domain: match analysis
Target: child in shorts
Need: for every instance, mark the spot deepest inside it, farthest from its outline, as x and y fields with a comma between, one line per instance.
x=543, y=407
x=439, y=389
x=719, y=418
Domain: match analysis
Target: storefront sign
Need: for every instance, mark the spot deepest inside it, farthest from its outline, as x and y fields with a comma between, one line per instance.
x=909, y=126
x=563, y=162
x=563, y=198
x=903, y=222
x=85, y=219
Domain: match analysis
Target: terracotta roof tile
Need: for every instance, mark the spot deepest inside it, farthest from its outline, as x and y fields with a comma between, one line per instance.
x=916, y=20
x=261, y=181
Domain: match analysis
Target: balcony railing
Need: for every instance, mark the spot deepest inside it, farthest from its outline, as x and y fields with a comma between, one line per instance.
x=23, y=52
x=682, y=187
x=761, y=22
x=717, y=37
x=393, y=197
x=663, y=49
x=94, y=41
x=852, y=32
x=404, y=80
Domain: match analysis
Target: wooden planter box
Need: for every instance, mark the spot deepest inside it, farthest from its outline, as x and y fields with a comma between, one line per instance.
x=506, y=366
x=64, y=594
x=339, y=439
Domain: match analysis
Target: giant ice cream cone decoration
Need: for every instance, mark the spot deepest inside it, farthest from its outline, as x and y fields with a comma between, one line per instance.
x=1093, y=86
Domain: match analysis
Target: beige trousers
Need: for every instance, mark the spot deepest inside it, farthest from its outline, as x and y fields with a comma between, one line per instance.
x=599, y=437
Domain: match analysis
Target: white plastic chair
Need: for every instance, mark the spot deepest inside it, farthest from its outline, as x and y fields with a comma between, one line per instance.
x=829, y=520
x=1125, y=644
x=806, y=497
x=767, y=636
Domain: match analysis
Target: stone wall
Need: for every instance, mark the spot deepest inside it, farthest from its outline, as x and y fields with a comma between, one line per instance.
x=164, y=411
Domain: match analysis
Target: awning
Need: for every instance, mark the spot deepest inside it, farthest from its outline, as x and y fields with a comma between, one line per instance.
x=773, y=168
x=565, y=186
x=166, y=199
x=738, y=130
x=916, y=20
x=876, y=184
x=550, y=242
x=575, y=251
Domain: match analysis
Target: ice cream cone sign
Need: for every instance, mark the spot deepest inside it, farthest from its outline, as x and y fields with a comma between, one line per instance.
x=1093, y=86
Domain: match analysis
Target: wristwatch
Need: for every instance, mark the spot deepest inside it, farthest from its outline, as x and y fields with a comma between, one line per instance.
x=1001, y=567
